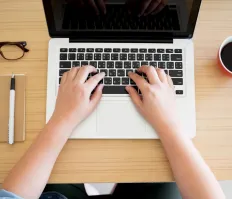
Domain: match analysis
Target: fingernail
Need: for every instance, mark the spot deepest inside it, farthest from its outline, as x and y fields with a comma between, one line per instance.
x=103, y=73
x=129, y=73
x=101, y=86
x=127, y=88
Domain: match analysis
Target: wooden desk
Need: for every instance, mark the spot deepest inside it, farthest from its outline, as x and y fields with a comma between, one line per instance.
x=122, y=160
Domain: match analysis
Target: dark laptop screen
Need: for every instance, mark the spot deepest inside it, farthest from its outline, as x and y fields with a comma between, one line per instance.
x=173, y=17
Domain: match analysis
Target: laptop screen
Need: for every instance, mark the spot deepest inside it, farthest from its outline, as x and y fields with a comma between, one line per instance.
x=125, y=17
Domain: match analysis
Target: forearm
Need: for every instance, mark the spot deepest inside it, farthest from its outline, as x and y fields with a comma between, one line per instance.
x=30, y=175
x=193, y=176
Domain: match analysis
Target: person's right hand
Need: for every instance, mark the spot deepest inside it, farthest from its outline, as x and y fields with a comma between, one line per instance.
x=157, y=103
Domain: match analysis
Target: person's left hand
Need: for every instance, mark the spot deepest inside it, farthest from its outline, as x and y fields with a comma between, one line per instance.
x=74, y=101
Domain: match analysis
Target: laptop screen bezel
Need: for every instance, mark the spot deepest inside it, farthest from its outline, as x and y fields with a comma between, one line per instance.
x=119, y=34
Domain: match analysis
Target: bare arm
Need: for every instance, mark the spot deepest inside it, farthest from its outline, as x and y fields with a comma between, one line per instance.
x=193, y=176
x=30, y=175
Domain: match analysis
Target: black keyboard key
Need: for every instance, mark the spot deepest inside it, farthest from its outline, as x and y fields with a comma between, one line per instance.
x=152, y=50
x=93, y=63
x=178, y=65
x=131, y=56
x=90, y=50
x=127, y=71
x=108, y=80
x=62, y=71
x=99, y=50
x=177, y=81
x=89, y=56
x=81, y=50
x=107, y=50
x=178, y=50
x=160, y=50
x=121, y=73
x=104, y=71
x=176, y=73
x=65, y=64
x=118, y=64
x=72, y=50
x=63, y=56
x=176, y=57
x=148, y=57
x=157, y=57
x=179, y=92
x=116, y=81
x=170, y=65
x=161, y=65
x=144, y=63
x=134, y=50
x=132, y=82
x=125, y=81
x=106, y=56
x=153, y=63
x=97, y=56
x=127, y=64
x=123, y=56
x=142, y=50
x=114, y=56
x=84, y=63
x=140, y=57
x=80, y=56
x=165, y=57
x=63, y=50
x=115, y=90
x=135, y=64
x=101, y=64
x=71, y=56
x=116, y=50
x=166, y=71
x=75, y=64
x=125, y=50
x=112, y=72
x=169, y=50
x=110, y=64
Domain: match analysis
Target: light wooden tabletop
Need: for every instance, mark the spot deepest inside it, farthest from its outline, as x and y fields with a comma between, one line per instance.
x=122, y=160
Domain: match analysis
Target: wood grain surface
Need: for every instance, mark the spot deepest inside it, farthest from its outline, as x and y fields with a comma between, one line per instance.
x=122, y=160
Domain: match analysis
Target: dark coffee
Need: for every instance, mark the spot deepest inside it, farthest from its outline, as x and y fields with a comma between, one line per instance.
x=226, y=56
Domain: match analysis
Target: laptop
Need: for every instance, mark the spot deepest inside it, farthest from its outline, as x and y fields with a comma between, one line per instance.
x=116, y=37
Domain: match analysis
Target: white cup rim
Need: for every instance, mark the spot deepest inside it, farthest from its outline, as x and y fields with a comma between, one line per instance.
x=224, y=43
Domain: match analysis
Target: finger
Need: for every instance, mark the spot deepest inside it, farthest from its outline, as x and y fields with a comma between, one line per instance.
x=96, y=97
x=94, y=6
x=134, y=96
x=153, y=5
x=151, y=74
x=102, y=7
x=93, y=81
x=83, y=73
x=145, y=4
x=159, y=8
x=72, y=74
x=162, y=75
x=63, y=80
x=140, y=81
x=170, y=82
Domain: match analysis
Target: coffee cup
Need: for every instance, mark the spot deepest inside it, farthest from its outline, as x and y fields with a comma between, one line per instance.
x=225, y=55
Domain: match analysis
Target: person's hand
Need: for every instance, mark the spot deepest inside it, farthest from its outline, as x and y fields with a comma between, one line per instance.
x=74, y=101
x=157, y=103
x=146, y=7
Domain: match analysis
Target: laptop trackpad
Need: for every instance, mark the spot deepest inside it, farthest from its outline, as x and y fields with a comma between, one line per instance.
x=119, y=119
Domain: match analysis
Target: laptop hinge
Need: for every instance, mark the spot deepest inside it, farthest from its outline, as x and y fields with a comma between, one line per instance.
x=121, y=40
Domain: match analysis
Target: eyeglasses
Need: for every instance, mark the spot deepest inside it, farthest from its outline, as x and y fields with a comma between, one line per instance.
x=13, y=50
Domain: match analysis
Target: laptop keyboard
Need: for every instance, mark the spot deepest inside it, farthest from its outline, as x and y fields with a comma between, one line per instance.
x=117, y=62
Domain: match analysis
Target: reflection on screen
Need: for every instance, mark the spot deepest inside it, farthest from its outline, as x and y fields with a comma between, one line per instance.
x=123, y=15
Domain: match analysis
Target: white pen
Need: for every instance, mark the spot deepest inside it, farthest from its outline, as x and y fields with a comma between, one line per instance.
x=11, y=110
